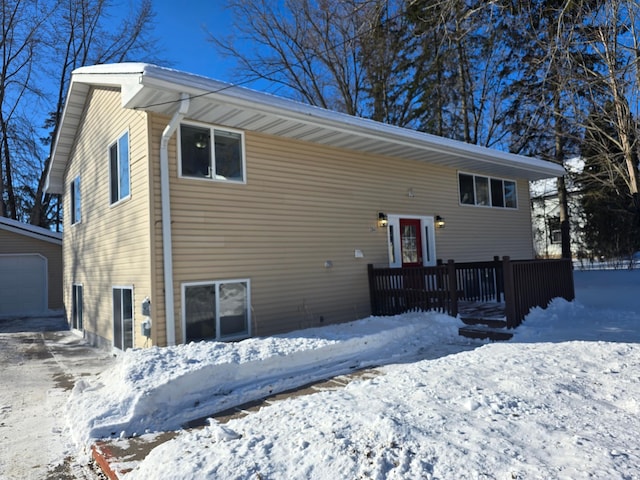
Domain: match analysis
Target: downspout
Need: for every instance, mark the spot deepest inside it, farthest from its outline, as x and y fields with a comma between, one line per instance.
x=167, y=255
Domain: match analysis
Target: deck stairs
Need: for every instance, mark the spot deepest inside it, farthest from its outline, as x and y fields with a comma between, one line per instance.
x=484, y=321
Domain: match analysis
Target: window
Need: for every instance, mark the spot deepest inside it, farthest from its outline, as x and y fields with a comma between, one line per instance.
x=123, y=317
x=75, y=201
x=487, y=191
x=76, y=307
x=119, y=168
x=220, y=159
x=555, y=233
x=215, y=310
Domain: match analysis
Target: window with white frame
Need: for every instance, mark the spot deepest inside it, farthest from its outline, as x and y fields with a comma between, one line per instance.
x=75, y=201
x=122, y=317
x=555, y=233
x=76, y=306
x=216, y=310
x=487, y=191
x=211, y=153
x=119, y=168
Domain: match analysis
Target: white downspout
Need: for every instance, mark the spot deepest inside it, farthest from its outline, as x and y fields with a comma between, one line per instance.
x=167, y=254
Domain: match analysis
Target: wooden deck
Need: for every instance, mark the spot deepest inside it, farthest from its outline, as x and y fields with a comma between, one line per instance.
x=502, y=288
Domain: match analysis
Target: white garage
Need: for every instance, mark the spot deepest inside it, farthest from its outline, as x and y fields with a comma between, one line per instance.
x=30, y=269
x=23, y=284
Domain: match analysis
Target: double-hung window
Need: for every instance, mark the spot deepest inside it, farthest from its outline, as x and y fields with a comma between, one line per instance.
x=119, y=168
x=75, y=201
x=216, y=310
x=487, y=191
x=211, y=153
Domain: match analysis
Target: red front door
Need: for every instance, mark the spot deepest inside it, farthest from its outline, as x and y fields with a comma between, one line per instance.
x=410, y=242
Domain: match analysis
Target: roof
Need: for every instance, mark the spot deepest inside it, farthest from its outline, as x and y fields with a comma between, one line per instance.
x=32, y=231
x=157, y=89
x=548, y=188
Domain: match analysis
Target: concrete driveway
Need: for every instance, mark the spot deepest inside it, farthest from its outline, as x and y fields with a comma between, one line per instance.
x=40, y=360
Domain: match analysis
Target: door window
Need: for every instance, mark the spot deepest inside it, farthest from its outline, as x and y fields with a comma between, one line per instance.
x=410, y=242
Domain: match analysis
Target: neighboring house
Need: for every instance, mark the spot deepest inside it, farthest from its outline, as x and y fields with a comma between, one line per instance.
x=545, y=216
x=239, y=213
x=30, y=269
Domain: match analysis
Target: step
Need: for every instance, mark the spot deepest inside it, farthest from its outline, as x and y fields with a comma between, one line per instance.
x=489, y=322
x=480, y=332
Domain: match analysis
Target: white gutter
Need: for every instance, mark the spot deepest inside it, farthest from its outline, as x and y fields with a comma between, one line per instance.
x=167, y=255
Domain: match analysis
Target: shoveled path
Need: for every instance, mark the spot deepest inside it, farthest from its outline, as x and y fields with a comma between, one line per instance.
x=40, y=360
x=116, y=457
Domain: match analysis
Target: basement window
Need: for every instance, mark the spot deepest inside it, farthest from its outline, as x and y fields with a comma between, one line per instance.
x=216, y=310
x=211, y=153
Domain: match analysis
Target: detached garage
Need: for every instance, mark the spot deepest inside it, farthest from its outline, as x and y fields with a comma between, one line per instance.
x=30, y=269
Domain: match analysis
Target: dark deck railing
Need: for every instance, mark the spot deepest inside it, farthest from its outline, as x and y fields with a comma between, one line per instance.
x=520, y=284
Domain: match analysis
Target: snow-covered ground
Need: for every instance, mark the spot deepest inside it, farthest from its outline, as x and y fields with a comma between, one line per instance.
x=561, y=400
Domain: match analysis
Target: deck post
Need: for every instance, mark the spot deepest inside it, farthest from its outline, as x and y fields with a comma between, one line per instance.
x=453, y=288
x=372, y=290
x=509, y=293
x=497, y=272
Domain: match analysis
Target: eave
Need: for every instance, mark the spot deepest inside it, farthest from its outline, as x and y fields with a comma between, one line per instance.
x=155, y=89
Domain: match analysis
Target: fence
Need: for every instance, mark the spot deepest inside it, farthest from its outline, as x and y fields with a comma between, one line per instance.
x=520, y=284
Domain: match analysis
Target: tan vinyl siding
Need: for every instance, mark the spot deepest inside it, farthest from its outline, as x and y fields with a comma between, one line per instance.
x=111, y=245
x=305, y=204
x=14, y=243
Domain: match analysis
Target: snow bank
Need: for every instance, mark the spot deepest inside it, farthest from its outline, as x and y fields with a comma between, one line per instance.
x=163, y=388
x=502, y=411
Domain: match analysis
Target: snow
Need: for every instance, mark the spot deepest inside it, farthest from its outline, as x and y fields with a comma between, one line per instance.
x=560, y=400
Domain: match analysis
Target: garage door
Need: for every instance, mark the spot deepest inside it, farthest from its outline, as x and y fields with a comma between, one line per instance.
x=23, y=284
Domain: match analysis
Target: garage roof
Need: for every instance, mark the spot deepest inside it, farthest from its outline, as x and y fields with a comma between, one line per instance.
x=157, y=89
x=32, y=231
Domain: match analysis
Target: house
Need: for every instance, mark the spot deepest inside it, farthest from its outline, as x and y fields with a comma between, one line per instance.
x=197, y=210
x=545, y=216
x=30, y=269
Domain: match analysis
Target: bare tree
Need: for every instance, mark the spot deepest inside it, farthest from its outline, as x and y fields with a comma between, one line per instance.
x=20, y=40
x=41, y=42
x=340, y=55
x=548, y=111
x=464, y=67
x=614, y=93
x=82, y=33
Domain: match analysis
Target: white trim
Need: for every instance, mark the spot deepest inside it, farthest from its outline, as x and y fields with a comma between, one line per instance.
x=428, y=238
x=217, y=284
x=212, y=129
x=31, y=231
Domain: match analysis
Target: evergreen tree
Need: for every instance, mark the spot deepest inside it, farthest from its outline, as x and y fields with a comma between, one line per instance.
x=612, y=228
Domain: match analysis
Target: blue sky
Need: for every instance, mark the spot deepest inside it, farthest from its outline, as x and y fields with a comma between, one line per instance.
x=180, y=28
